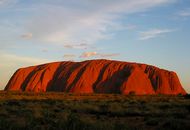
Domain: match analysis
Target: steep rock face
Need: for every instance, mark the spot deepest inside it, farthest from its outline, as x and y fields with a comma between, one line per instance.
x=96, y=76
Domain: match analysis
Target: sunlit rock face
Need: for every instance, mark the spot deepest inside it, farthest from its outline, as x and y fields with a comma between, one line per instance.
x=96, y=76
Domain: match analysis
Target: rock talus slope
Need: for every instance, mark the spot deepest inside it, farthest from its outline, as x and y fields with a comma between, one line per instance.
x=96, y=76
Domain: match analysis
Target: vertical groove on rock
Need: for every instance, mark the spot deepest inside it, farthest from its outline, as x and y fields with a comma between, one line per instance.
x=100, y=76
x=26, y=81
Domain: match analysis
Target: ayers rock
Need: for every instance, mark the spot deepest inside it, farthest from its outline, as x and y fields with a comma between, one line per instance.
x=96, y=76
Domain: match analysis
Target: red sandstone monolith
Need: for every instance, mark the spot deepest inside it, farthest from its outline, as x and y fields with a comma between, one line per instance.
x=96, y=76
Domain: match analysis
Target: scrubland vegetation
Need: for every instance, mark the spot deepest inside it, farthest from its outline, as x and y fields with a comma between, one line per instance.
x=61, y=111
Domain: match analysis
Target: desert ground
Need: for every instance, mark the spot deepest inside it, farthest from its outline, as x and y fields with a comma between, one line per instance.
x=66, y=111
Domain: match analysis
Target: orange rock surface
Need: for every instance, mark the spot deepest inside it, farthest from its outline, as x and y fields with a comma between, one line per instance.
x=96, y=76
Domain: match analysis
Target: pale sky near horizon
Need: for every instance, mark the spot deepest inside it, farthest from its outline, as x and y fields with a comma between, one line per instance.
x=155, y=32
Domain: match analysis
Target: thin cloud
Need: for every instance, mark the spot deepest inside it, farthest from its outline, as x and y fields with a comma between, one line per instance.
x=88, y=54
x=27, y=36
x=98, y=55
x=4, y=2
x=153, y=33
x=45, y=50
x=109, y=55
x=131, y=27
x=14, y=59
x=184, y=13
x=7, y=2
x=89, y=20
x=77, y=46
x=69, y=56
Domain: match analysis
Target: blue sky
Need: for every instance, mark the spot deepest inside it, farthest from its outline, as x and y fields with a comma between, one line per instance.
x=146, y=31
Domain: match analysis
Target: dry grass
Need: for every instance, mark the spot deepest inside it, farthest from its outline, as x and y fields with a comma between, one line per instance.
x=92, y=111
